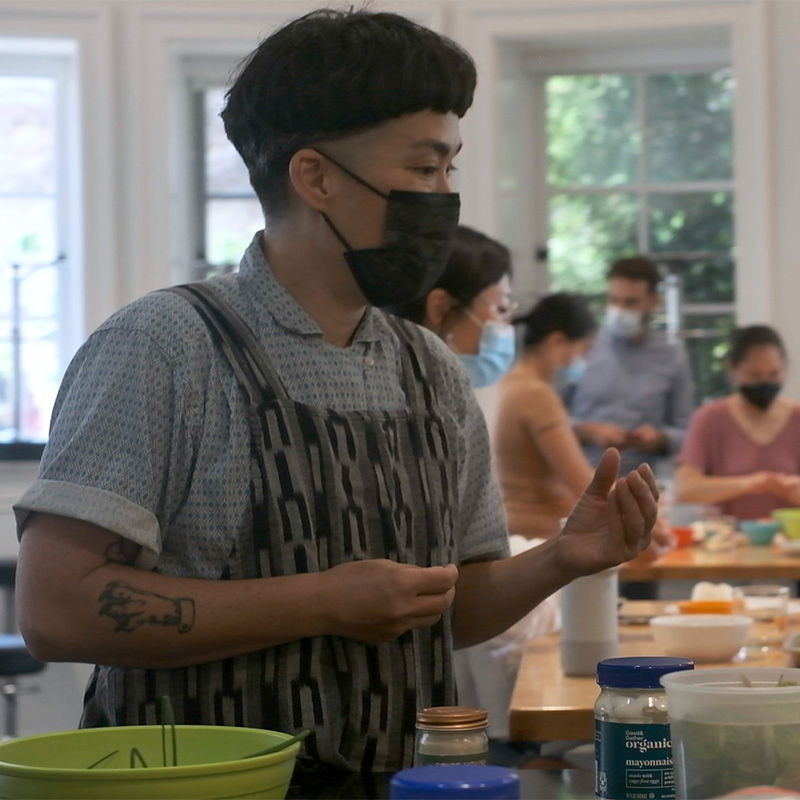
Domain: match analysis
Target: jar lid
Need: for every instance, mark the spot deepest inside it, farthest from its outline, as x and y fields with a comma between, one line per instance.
x=452, y=717
x=478, y=781
x=638, y=672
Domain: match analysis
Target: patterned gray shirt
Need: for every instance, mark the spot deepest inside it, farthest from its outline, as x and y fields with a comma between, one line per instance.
x=150, y=440
x=647, y=382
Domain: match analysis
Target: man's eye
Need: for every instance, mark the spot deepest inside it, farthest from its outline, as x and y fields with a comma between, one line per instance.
x=428, y=172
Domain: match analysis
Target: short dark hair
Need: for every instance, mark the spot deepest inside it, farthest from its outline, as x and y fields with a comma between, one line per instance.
x=743, y=340
x=636, y=268
x=476, y=262
x=330, y=74
x=557, y=313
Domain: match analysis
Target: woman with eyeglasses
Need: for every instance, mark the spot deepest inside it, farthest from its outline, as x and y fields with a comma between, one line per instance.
x=469, y=307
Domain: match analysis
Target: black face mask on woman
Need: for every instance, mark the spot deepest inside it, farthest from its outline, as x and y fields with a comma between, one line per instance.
x=761, y=395
x=418, y=237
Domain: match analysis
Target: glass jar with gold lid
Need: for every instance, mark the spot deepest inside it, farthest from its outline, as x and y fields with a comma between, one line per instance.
x=451, y=735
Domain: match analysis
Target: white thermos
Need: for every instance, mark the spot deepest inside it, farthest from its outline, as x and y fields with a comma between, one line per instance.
x=589, y=622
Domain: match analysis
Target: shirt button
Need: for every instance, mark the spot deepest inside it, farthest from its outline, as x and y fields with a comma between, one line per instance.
x=369, y=361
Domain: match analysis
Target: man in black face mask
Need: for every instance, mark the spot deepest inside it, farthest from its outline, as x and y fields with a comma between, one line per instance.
x=260, y=490
x=743, y=453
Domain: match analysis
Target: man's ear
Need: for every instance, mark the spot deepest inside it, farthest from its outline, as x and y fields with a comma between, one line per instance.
x=438, y=304
x=310, y=174
x=557, y=338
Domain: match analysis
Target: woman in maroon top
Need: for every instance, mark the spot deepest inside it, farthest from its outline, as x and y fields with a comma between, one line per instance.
x=742, y=453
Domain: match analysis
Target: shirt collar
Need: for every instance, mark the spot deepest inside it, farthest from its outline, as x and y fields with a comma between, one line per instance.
x=271, y=297
x=605, y=336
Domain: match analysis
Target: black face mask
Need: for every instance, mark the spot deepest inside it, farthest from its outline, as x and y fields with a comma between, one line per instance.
x=418, y=237
x=761, y=395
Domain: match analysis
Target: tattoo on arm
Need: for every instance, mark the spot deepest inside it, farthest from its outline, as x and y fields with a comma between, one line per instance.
x=122, y=551
x=131, y=608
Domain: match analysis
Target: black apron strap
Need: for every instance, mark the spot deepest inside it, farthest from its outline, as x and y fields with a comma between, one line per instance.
x=416, y=382
x=234, y=337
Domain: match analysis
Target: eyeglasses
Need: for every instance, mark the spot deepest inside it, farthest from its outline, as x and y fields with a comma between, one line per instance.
x=503, y=311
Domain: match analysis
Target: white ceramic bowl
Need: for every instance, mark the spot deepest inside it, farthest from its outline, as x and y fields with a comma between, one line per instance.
x=701, y=637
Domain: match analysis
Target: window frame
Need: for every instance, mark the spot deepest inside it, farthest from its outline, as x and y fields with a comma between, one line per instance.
x=678, y=314
x=56, y=60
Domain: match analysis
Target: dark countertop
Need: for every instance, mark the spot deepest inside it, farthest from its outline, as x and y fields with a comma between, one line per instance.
x=536, y=784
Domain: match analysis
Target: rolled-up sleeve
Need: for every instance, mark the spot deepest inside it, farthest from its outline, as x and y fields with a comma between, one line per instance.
x=119, y=450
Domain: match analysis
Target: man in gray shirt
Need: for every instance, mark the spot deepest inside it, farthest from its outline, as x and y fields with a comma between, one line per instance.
x=637, y=392
x=262, y=495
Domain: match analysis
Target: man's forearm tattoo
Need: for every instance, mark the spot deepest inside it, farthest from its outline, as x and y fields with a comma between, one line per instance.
x=122, y=551
x=131, y=608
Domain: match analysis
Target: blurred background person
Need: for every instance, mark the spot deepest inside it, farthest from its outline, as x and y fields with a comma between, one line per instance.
x=470, y=308
x=636, y=392
x=540, y=464
x=742, y=453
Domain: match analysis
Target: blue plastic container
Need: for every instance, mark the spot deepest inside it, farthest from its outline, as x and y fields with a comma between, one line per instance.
x=454, y=782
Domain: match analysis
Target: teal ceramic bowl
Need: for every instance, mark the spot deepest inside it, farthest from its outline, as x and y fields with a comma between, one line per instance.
x=760, y=532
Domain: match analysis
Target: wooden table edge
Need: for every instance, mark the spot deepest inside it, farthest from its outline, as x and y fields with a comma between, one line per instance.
x=572, y=723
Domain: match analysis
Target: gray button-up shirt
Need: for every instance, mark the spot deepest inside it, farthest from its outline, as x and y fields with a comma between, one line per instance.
x=630, y=384
x=150, y=437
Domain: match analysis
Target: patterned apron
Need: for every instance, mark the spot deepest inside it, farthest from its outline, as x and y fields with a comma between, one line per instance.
x=327, y=488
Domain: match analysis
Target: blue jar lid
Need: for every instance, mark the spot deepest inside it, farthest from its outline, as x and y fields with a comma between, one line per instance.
x=638, y=672
x=455, y=781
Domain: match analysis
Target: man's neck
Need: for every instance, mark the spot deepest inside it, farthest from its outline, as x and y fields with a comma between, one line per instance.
x=320, y=282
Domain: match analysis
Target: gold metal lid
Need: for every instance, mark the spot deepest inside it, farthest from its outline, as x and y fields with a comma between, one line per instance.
x=454, y=717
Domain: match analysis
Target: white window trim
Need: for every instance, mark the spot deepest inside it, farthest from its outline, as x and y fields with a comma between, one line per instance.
x=484, y=29
x=61, y=69
x=92, y=241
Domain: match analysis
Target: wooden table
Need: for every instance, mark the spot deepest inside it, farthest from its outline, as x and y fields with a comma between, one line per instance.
x=739, y=564
x=546, y=704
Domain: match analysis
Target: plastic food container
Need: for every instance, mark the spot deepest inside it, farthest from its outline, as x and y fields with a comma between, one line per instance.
x=734, y=728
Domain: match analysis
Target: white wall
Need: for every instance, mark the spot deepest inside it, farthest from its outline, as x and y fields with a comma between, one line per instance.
x=130, y=192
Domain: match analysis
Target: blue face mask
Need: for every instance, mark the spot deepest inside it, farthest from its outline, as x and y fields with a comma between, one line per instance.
x=495, y=356
x=573, y=372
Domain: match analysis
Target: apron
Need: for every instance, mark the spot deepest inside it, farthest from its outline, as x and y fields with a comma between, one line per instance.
x=327, y=488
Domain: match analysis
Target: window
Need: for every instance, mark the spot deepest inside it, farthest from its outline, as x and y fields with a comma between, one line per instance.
x=35, y=313
x=227, y=212
x=642, y=162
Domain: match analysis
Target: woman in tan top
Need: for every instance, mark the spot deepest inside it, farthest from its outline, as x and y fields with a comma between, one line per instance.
x=541, y=466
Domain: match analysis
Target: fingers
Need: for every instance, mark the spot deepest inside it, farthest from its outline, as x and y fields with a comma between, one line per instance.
x=646, y=495
x=432, y=604
x=638, y=508
x=605, y=474
x=633, y=524
x=424, y=622
x=647, y=473
x=434, y=580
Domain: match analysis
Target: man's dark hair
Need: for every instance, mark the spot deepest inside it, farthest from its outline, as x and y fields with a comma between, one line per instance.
x=743, y=340
x=557, y=313
x=636, y=268
x=331, y=74
x=476, y=262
